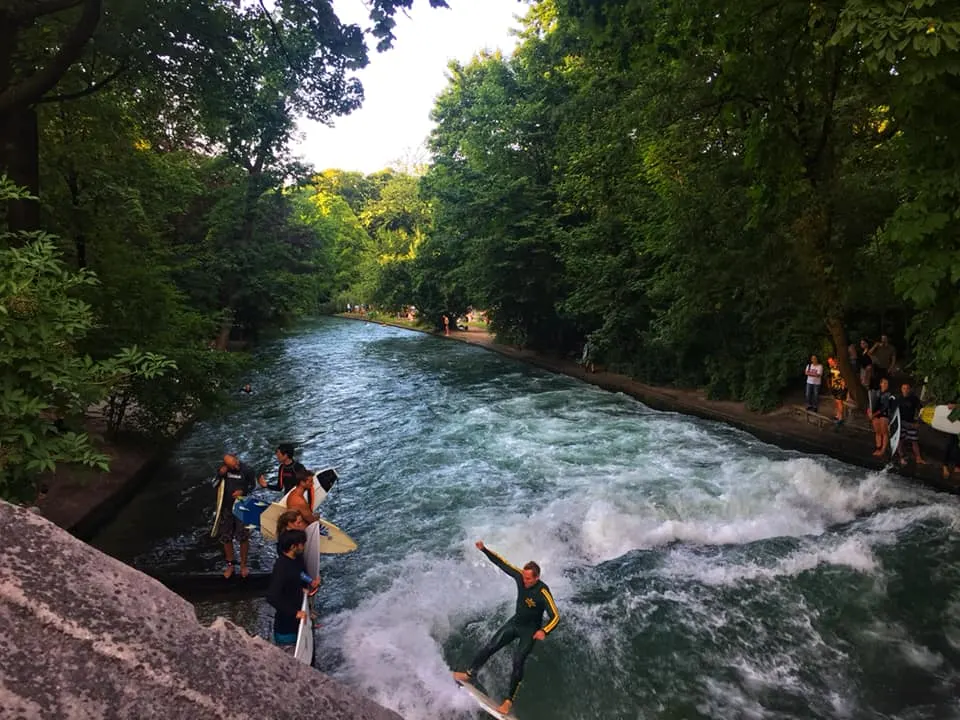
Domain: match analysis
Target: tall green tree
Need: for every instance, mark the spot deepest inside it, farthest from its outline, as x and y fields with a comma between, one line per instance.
x=60, y=50
x=915, y=46
x=492, y=180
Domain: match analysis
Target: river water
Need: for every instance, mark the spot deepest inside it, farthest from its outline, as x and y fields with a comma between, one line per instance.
x=699, y=573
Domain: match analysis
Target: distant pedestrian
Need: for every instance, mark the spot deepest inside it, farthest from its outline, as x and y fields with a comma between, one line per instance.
x=866, y=366
x=446, y=325
x=853, y=357
x=884, y=356
x=909, y=405
x=838, y=389
x=814, y=373
x=881, y=409
x=951, y=457
x=586, y=359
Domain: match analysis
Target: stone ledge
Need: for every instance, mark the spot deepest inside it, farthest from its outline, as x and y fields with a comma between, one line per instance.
x=86, y=636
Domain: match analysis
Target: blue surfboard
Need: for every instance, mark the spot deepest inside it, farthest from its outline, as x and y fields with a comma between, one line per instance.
x=249, y=509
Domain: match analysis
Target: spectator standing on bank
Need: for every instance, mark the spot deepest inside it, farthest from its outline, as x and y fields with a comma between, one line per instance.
x=909, y=405
x=853, y=357
x=884, y=356
x=879, y=413
x=838, y=389
x=951, y=458
x=586, y=358
x=866, y=367
x=814, y=373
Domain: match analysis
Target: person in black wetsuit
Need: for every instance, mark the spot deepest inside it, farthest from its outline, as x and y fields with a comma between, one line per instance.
x=238, y=481
x=288, y=582
x=533, y=600
x=287, y=474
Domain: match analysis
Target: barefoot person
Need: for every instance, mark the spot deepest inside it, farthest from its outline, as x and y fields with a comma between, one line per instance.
x=238, y=479
x=880, y=413
x=909, y=405
x=533, y=600
x=838, y=389
x=301, y=499
x=951, y=456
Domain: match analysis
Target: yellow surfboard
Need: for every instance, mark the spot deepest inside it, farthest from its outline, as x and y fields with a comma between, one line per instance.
x=938, y=417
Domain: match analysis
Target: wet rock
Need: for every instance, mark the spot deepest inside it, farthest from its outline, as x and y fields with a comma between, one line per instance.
x=85, y=636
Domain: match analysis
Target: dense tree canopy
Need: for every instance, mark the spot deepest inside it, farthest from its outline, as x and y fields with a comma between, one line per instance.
x=710, y=191
x=157, y=137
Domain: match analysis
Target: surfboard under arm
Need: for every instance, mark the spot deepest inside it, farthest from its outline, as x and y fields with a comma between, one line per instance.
x=894, y=432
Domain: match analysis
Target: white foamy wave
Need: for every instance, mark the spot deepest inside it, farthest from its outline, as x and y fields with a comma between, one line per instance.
x=605, y=519
x=393, y=642
x=854, y=553
x=896, y=635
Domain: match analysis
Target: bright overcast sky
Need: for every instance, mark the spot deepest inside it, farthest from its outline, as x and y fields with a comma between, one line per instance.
x=400, y=84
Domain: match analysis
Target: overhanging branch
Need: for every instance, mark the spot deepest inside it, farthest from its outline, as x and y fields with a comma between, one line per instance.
x=89, y=90
x=26, y=12
x=31, y=90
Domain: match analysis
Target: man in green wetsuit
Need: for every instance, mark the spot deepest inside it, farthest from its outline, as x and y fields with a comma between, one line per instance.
x=533, y=600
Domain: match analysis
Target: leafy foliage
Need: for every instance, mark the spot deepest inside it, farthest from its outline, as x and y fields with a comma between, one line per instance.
x=45, y=382
x=710, y=191
x=159, y=132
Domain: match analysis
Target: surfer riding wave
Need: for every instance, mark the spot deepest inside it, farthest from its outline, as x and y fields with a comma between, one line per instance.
x=526, y=625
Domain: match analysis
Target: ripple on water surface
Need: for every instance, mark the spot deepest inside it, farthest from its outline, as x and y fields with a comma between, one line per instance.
x=699, y=572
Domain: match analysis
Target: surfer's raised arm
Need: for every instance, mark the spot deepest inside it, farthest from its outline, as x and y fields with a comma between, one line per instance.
x=509, y=569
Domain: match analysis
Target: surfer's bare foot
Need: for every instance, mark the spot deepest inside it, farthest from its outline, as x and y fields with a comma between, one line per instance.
x=505, y=706
x=244, y=571
x=921, y=461
x=228, y=573
x=461, y=677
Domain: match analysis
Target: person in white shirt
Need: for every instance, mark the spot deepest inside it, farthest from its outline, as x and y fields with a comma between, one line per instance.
x=814, y=373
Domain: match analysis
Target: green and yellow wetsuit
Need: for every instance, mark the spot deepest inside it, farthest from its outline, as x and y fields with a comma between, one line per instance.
x=532, y=603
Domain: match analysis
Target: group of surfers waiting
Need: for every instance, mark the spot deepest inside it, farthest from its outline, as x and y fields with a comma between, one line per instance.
x=289, y=579
x=239, y=480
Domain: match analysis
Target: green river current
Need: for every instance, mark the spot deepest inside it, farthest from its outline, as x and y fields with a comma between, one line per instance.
x=699, y=572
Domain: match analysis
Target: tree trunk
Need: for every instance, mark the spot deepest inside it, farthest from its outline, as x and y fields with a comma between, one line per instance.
x=226, y=325
x=839, y=335
x=79, y=236
x=20, y=161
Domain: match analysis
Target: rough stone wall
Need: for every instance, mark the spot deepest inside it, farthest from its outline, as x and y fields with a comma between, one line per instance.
x=84, y=636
